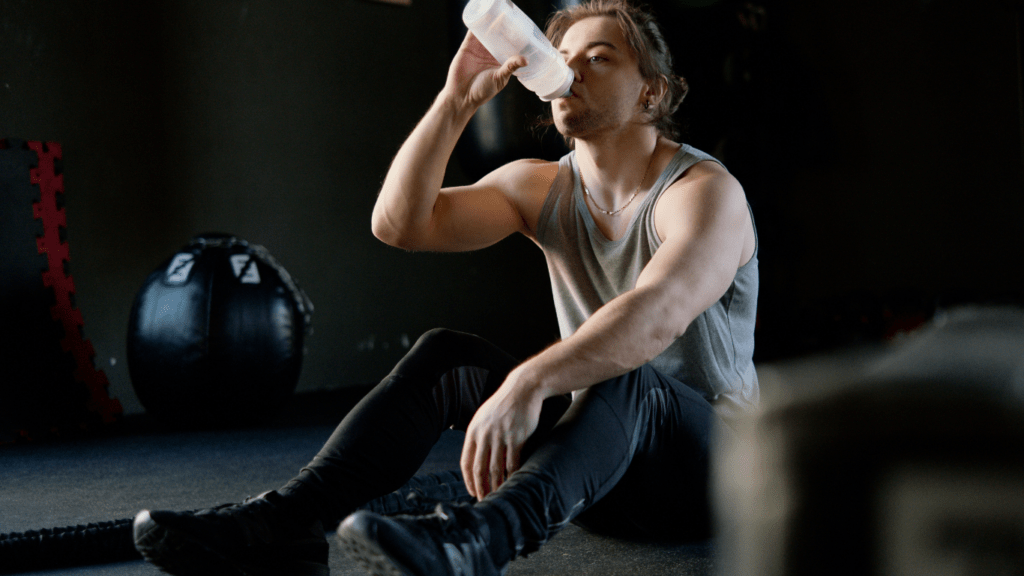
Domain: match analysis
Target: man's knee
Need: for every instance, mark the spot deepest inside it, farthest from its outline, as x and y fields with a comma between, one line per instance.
x=439, y=350
x=443, y=356
x=442, y=339
x=427, y=356
x=442, y=349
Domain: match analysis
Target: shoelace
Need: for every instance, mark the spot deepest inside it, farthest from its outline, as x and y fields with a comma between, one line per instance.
x=246, y=517
x=438, y=508
x=463, y=537
x=419, y=500
x=456, y=521
x=422, y=495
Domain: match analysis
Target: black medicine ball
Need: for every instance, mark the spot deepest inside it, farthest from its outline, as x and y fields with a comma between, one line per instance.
x=215, y=335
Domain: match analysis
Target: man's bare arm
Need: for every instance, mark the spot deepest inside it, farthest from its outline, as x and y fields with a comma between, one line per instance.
x=412, y=211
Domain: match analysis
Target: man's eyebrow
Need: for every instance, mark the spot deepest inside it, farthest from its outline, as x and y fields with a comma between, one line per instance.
x=595, y=44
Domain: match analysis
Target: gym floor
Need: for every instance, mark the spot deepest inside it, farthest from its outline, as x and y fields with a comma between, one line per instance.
x=143, y=464
x=146, y=465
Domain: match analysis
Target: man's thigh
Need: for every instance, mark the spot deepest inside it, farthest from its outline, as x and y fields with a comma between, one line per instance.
x=664, y=492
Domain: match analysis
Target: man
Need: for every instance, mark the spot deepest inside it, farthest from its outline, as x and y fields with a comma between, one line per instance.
x=652, y=253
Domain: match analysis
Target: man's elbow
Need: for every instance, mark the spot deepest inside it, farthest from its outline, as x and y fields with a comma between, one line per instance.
x=382, y=230
x=388, y=233
x=396, y=240
x=669, y=317
x=664, y=335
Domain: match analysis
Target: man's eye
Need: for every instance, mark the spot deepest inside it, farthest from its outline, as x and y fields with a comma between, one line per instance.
x=596, y=59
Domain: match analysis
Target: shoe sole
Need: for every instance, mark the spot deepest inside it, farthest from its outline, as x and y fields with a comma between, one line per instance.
x=368, y=555
x=177, y=553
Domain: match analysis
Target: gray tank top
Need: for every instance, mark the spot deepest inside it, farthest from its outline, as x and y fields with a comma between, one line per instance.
x=715, y=354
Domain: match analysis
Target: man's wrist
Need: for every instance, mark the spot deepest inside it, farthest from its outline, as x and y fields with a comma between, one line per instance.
x=528, y=380
x=458, y=108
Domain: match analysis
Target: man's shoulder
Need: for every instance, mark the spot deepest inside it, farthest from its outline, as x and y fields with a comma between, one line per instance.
x=532, y=169
x=706, y=177
x=526, y=179
x=702, y=171
x=705, y=189
x=526, y=184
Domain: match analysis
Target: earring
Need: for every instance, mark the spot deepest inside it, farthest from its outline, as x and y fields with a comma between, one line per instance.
x=647, y=105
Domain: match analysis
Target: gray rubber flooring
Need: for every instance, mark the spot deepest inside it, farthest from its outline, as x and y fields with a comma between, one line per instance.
x=144, y=465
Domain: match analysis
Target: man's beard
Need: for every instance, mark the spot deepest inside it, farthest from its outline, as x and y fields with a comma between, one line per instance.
x=578, y=124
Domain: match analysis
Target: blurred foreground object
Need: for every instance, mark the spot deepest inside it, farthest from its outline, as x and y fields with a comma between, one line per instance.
x=914, y=467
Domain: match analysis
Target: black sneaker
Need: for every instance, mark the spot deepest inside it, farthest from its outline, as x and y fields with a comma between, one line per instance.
x=452, y=541
x=245, y=539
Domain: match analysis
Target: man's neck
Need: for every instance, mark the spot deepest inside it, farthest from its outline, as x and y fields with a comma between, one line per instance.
x=614, y=165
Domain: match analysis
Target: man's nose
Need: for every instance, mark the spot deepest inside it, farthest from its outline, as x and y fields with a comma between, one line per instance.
x=576, y=67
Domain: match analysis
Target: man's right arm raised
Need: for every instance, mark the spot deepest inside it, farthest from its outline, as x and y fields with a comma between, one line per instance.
x=413, y=212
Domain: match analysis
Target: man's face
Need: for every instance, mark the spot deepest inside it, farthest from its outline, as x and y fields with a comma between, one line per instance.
x=608, y=90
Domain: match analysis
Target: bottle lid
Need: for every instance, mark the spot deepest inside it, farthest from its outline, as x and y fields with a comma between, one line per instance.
x=564, y=89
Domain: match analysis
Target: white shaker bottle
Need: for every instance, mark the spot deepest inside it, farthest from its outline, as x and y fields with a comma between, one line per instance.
x=507, y=31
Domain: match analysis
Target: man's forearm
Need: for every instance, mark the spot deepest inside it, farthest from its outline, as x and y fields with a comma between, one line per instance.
x=406, y=202
x=626, y=333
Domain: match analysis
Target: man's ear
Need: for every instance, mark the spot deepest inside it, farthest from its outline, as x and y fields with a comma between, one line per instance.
x=657, y=90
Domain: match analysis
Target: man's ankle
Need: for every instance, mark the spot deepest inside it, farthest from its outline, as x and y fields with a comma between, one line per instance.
x=286, y=519
x=505, y=539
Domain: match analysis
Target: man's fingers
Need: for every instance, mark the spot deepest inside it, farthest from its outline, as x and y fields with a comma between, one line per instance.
x=480, y=464
x=512, y=64
x=473, y=44
x=497, y=468
x=512, y=459
x=509, y=67
x=466, y=463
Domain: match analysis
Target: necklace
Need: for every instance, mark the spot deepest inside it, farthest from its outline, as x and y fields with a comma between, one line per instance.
x=628, y=202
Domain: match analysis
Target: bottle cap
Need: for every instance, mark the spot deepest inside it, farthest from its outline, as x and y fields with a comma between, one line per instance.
x=563, y=90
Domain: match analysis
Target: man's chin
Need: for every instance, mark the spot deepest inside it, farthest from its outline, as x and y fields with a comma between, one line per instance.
x=571, y=127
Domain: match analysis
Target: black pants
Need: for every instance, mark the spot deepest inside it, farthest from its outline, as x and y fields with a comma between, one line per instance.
x=626, y=456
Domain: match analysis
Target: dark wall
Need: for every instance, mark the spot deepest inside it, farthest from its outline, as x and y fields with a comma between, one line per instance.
x=879, y=143
x=275, y=121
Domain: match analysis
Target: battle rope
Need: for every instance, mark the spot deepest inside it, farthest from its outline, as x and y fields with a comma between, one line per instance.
x=109, y=542
x=82, y=545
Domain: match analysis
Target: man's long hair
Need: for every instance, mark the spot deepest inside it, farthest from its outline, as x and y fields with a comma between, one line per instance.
x=646, y=40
